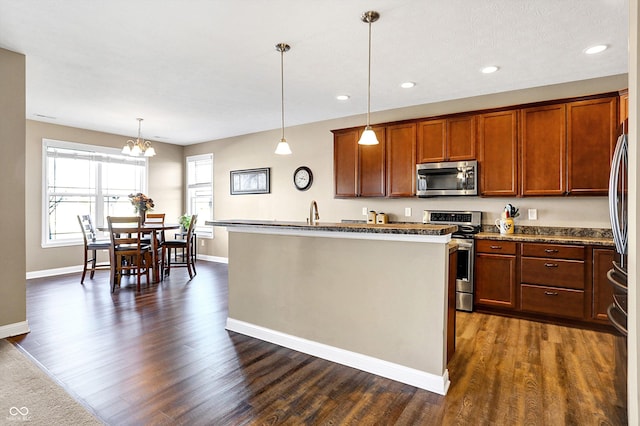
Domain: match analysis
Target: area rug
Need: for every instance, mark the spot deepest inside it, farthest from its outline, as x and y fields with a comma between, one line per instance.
x=28, y=394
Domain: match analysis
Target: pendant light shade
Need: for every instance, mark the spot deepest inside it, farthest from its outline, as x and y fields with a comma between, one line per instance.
x=283, y=147
x=369, y=136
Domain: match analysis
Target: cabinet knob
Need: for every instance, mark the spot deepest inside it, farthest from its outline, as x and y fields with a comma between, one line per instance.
x=550, y=250
x=550, y=293
x=551, y=265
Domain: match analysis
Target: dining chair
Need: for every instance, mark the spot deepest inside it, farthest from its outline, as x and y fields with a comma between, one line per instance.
x=156, y=218
x=186, y=247
x=128, y=252
x=91, y=247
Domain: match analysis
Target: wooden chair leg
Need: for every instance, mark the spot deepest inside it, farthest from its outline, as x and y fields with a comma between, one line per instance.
x=84, y=267
x=93, y=263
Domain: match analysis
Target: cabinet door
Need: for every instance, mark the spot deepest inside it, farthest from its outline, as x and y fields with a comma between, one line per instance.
x=345, y=162
x=431, y=141
x=498, y=149
x=623, y=112
x=401, y=160
x=461, y=139
x=372, y=167
x=602, y=290
x=591, y=139
x=543, y=143
x=495, y=280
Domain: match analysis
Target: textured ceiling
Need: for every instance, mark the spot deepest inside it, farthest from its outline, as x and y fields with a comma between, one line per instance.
x=201, y=70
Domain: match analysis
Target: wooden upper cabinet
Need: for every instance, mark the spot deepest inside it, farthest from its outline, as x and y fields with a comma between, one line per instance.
x=543, y=145
x=451, y=139
x=591, y=139
x=345, y=162
x=623, y=112
x=401, y=160
x=461, y=138
x=372, y=167
x=498, y=153
x=431, y=140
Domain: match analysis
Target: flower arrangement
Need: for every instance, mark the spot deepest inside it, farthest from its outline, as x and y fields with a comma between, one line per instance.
x=141, y=203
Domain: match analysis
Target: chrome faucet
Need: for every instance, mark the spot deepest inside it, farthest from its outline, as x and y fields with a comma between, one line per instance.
x=314, y=216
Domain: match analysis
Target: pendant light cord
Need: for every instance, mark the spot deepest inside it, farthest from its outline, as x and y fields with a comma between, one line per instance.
x=369, y=81
x=282, y=87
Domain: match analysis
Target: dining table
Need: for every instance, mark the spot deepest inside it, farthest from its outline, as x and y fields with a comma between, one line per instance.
x=153, y=229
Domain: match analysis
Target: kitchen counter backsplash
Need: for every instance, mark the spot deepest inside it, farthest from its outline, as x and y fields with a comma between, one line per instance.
x=555, y=231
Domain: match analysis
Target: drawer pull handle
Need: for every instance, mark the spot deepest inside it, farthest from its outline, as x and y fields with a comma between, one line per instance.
x=550, y=250
x=551, y=265
x=496, y=247
x=551, y=293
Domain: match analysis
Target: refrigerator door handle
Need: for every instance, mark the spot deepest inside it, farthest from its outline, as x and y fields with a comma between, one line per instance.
x=618, y=223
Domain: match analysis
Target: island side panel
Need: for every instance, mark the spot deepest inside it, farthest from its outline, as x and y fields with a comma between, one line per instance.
x=384, y=299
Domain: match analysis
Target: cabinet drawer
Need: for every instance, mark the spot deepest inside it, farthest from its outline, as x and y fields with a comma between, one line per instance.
x=553, y=251
x=553, y=272
x=494, y=246
x=552, y=301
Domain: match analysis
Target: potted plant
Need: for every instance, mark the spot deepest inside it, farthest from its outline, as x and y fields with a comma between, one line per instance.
x=184, y=221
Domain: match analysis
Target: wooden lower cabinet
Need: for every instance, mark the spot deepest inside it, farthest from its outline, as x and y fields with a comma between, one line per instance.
x=495, y=274
x=602, y=290
x=563, y=282
x=560, y=302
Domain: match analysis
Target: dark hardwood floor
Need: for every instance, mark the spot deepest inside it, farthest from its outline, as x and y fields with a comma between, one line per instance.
x=162, y=356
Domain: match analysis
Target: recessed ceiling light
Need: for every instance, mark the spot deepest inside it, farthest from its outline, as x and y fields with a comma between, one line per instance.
x=407, y=85
x=596, y=49
x=490, y=69
x=343, y=97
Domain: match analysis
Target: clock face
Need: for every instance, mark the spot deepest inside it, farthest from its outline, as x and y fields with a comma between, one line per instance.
x=302, y=178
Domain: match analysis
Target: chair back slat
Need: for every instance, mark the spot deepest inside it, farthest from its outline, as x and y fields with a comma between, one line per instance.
x=125, y=231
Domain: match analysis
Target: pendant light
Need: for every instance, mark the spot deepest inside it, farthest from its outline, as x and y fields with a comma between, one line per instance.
x=369, y=136
x=283, y=147
x=139, y=146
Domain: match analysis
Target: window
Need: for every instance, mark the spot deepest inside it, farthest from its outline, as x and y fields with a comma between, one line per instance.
x=200, y=191
x=85, y=179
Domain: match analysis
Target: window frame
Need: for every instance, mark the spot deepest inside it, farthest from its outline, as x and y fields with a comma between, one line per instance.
x=99, y=213
x=202, y=230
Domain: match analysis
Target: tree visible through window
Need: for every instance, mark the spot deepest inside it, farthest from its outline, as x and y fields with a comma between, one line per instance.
x=200, y=191
x=85, y=179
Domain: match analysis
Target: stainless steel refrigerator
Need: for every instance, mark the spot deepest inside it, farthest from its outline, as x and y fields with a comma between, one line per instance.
x=617, y=275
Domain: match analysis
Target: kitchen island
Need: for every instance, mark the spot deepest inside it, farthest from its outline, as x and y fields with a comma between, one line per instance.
x=373, y=297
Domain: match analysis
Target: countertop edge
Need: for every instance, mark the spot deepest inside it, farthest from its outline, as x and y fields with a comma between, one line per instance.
x=530, y=238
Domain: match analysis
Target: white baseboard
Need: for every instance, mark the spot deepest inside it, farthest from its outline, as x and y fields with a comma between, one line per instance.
x=397, y=372
x=14, y=329
x=213, y=258
x=53, y=272
x=78, y=268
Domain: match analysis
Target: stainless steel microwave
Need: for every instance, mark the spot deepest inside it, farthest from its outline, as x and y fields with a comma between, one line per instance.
x=448, y=178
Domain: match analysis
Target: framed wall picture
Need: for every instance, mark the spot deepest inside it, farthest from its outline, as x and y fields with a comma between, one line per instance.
x=250, y=181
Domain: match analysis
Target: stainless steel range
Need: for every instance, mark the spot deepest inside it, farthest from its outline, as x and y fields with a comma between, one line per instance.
x=469, y=223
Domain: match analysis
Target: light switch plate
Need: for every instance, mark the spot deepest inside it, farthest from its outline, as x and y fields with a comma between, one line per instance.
x=533, y=214
x=407, y=211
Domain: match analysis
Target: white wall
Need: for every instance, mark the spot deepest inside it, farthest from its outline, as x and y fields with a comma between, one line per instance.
x=312, y=146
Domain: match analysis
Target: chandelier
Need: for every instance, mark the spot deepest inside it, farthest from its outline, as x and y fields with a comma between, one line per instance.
x=139, y=146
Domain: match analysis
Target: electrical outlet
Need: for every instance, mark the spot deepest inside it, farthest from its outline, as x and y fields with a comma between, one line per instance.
x=365, y=211
x=407, y=211
x=533, y=214
x=201, y=243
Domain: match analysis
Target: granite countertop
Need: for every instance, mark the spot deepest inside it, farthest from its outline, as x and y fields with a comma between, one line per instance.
x=575, y=238
x=388, y=228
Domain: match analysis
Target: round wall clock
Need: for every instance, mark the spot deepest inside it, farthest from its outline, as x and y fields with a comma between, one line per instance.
x=302, y=178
